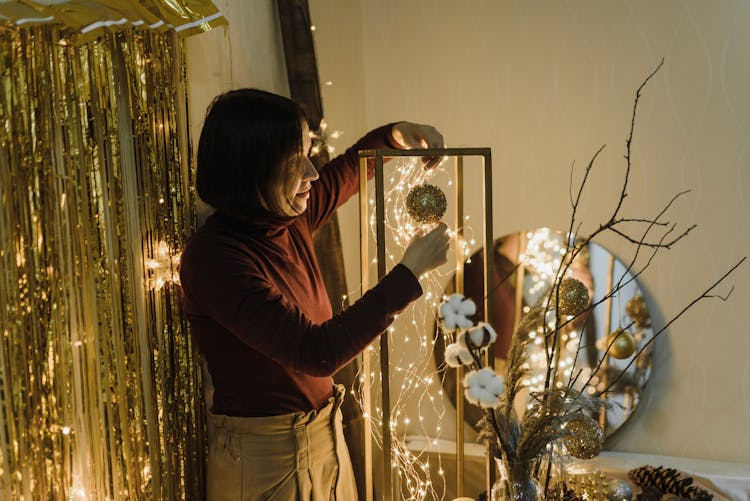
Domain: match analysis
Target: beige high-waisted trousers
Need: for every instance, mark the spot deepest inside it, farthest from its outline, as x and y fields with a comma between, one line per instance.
x=298, y=456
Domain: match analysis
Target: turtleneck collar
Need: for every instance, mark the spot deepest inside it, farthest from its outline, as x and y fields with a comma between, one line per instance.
x=265, y=223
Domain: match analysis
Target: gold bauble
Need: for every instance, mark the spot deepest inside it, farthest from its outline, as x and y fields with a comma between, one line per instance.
x=621, y=344
x=426, y=203
x=574, y=297
x=637, y=310
x=583, y=437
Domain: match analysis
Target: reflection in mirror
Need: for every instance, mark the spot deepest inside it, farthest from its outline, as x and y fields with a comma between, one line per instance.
x=620, y=324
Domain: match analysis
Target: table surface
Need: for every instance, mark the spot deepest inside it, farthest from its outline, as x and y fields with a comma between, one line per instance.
x=728, y=481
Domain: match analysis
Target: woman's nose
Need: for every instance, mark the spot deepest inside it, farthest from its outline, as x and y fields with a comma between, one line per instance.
x=311, y=173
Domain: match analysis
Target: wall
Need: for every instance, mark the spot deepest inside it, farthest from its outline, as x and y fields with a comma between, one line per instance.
x=248, y=52
x=545, y=84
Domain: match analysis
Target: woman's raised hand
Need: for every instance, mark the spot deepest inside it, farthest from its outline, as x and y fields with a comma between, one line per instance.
x=427, y=252
x=408, y=135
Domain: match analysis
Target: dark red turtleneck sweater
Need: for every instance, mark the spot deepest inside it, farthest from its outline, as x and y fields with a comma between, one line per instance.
x=258, y=307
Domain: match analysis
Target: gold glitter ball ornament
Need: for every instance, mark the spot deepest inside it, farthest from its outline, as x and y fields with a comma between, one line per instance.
x=426, y=203
x=637, y=310
x=574, y=297
x=621, y=344
x=583, y=437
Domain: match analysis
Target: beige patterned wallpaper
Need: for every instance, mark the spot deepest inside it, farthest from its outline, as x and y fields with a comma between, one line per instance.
x=545, y=83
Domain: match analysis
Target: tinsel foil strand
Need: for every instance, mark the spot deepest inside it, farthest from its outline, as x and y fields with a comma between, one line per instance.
x=86, y=20
x=100, y=395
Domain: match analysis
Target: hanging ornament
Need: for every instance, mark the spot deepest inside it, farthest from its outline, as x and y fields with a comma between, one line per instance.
x=619, y=490
x=583, y=437
x=426, y=203
x=637, y=310
x=621, y=344
x=574, y=297
x=320, y=137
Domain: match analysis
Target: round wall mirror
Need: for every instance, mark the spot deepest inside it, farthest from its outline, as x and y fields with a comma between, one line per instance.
x=524, y=264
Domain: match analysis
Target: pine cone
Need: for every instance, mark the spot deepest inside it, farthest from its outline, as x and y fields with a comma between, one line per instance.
x=649, y=494
x=662, y=481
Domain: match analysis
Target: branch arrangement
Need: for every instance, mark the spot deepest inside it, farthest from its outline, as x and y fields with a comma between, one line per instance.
x=558, y=422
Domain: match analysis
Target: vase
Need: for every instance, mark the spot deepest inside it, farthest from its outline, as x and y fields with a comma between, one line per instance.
x=528, y=490
x=520, y=485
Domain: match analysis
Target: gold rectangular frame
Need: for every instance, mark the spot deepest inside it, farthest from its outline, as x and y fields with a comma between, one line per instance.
x=379, y=155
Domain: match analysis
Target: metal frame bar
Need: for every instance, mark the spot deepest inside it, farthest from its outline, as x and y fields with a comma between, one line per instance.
x=388, y=493
x=459, y=288
x=364, y=265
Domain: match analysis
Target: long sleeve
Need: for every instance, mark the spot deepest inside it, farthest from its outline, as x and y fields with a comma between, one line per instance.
x=222, y=283
x=339, y=179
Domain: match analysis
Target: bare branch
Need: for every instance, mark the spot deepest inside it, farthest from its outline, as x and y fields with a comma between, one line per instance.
x=723, y=298
x=629, y=141
x=585, y=178
x=667, y=245
x=704, y=295
x=634, y=220
x=570, y=184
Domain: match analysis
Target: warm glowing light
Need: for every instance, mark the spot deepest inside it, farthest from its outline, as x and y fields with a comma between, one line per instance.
x=163, y=267
x=414, y=380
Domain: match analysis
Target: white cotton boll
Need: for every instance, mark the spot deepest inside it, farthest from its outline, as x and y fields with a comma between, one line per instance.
x=449, y=320
x=468, y=307
x=491, y=330
x=478, y=378
x=463, y=322
x=455, y=301
x=472, y=395
x=461, y=339
x=454, y=310
x=446, y=309
x=497, y=386
x=483, y=335
x=485, y=376
x=480, y=386
x=469, y=378
x=457, y=355
x=481, y=397
x=489, y=400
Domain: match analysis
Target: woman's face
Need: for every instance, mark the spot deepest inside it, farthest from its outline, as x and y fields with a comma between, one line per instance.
x=297, y=192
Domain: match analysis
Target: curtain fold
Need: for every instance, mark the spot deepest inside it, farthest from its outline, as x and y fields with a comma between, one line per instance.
x=99, y=386
x=85, y=20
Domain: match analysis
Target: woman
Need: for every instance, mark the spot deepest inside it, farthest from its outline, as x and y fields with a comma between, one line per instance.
x=257, y=304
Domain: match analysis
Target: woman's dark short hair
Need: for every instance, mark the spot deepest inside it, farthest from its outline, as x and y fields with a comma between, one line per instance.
x=247, y=136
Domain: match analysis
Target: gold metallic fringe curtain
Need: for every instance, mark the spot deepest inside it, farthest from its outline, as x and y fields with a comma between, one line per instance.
x=100, y=395
x=85, y=20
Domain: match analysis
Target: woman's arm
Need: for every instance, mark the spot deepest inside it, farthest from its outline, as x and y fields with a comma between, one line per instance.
x=339, y=179
x=220, y=283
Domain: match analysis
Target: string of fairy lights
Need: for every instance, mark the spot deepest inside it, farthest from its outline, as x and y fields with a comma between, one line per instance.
x=417, y=400
x=541, y=259
x=416, y=381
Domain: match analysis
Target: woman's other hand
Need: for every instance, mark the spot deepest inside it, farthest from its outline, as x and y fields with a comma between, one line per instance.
x=408, y=135
x=427, y=252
